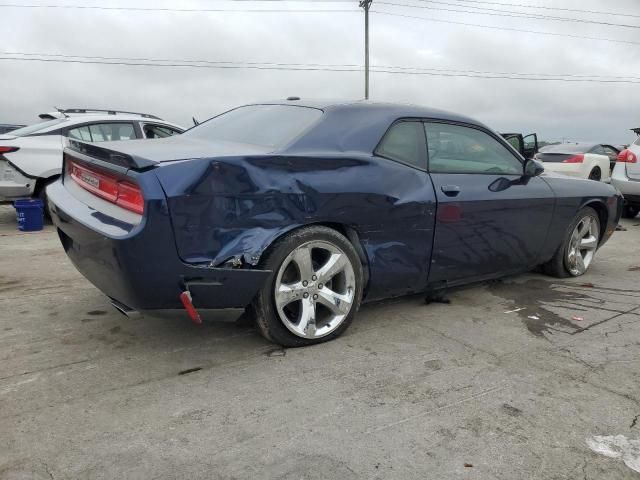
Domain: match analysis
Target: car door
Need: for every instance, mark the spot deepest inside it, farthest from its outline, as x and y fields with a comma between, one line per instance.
x=612, y=153
x=530, y=145
x=490, y=220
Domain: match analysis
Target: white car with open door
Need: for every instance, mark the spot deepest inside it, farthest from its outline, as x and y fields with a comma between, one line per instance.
x=583, y=160
x=31, y=157
x=626, y=177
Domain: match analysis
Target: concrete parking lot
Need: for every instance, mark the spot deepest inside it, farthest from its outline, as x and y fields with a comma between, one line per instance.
x=509, y=381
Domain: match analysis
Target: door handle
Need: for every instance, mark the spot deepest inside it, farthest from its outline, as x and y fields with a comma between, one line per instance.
x=450, y=190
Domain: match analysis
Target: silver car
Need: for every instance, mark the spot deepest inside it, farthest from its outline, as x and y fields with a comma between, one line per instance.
x=626, y=177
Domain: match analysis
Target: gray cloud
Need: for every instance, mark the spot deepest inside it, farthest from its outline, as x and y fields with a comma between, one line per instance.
x=577, y=111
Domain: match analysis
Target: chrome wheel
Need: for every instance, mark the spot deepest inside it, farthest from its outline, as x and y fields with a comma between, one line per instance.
x=582, y=245
x=315, y=289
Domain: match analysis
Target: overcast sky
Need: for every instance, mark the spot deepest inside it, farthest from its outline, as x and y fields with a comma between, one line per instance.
x=575, y=111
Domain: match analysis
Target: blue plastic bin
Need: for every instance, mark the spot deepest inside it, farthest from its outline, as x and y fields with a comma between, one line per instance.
x=30, y=214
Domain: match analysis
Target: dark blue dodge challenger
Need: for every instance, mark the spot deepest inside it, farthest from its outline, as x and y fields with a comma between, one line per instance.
x=299, y=211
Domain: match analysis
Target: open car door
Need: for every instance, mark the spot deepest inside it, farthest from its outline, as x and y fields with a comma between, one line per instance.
x=516, y=140
x=530, y=147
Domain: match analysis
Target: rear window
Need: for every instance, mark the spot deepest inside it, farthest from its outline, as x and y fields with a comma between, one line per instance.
x=568, y=148
x=637, y=142
x=264, y=125
x=37, y=127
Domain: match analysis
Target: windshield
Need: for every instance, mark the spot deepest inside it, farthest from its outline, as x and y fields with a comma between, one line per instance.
x=36, y=127
x=265, y=125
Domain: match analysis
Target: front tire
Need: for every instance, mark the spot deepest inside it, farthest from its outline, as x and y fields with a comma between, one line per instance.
x=314, y=291
x=578, y=248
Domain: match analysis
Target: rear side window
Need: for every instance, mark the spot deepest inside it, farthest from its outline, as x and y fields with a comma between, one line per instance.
x=158, y=131
x=458, y=149
x=263, y=125
x=637, y=142
x=405, y=143
x=598, y=150
x=103, y=132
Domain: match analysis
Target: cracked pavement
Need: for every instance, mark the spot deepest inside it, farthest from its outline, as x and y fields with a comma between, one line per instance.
x=410, y=391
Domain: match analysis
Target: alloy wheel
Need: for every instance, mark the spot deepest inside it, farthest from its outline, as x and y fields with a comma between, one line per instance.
x=582, y=245
x=314, y=289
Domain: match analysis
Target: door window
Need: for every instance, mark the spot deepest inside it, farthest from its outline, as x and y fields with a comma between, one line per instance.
x=404, y=142
x=457, y=149
x=81, y=133
x=103, y=132
x=611, y=152
x=159, y=131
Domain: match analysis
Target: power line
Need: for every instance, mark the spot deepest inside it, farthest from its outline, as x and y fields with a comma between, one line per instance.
x=310, y=68
x=495, y=12
x=543, y=7
x=167, y=9
x=188, y=62
x=493, y=27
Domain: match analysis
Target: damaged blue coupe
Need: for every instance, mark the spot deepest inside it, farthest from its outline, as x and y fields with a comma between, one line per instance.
x=299, y=211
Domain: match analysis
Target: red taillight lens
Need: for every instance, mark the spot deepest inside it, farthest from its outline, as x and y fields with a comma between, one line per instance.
x=130, y=197
x=575, y=159
x=627, y=156
x=8, y=149
x=110, y=187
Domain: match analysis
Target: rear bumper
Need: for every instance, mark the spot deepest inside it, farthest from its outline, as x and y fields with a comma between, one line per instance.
x=629, y=188
x=137, y=265
x=13, y=183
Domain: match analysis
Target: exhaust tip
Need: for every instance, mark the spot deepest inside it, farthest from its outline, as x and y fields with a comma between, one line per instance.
x=123, y=309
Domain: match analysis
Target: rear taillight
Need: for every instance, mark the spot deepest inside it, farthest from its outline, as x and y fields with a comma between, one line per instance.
x=8, y=149
x=112, y=188
x=627, y=156
x=575, y=159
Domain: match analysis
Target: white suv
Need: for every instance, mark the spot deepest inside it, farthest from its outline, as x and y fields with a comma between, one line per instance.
x=626, y=177
x=31, y=157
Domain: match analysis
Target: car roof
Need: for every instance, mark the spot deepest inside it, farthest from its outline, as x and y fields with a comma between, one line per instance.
x=393, y=109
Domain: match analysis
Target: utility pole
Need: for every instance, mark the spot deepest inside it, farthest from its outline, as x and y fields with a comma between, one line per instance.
x=366, y=4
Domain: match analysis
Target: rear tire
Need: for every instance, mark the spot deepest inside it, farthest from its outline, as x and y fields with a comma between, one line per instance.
x=576, y=253
x=630, y=211
x=42, y=195
x=595, y=174
x=314, y=291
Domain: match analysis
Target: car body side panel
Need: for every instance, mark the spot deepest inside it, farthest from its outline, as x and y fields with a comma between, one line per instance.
x=236, y=207
x=37, y=157
x=582, y=170
x=571, y=197
x=494, y=226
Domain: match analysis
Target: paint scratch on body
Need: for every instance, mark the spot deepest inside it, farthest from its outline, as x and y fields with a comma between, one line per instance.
x=617, y=446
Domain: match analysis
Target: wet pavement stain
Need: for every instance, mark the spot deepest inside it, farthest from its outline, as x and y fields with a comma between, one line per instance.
x=534, y=295
x=97, y=312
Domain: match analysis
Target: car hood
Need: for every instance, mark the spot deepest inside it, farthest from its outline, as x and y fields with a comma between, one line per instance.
x=565, y=185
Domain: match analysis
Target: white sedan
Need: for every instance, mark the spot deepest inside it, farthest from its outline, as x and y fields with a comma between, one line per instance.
x=31, y=157
x=583, y=160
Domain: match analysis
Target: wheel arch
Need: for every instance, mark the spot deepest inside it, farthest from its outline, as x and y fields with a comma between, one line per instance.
x=603, y=214
x=42, y=182
x=349, y=232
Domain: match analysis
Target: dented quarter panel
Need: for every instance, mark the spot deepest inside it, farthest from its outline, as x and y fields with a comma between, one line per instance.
x=237, y=206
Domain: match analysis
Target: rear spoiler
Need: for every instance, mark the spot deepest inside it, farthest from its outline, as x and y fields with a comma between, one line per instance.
x=110, y=156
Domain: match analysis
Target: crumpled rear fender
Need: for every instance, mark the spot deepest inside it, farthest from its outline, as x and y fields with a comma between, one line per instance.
x=234, y=208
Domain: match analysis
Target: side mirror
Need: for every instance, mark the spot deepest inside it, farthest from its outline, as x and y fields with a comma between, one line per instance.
x=532, y=168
